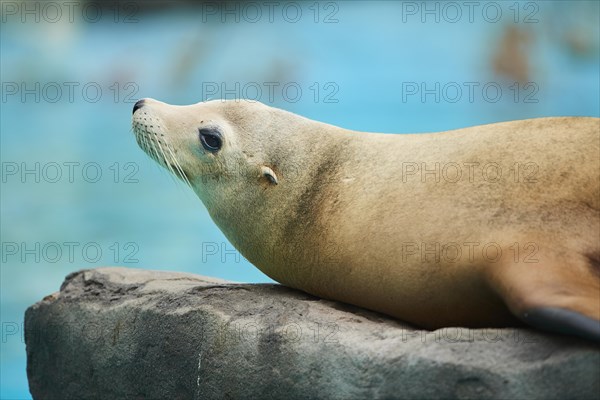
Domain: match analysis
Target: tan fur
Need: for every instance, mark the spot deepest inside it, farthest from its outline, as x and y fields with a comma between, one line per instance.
x=344, y=217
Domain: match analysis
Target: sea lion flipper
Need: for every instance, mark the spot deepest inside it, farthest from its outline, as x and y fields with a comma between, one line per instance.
x=556, y=294
x=564, y=321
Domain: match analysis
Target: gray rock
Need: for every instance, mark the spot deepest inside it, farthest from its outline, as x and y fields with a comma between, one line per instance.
x=117, y=333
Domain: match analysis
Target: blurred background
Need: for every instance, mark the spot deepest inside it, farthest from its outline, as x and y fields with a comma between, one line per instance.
x=78, y=193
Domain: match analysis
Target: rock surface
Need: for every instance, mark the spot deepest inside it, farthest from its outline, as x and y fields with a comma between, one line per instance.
x=117, y=333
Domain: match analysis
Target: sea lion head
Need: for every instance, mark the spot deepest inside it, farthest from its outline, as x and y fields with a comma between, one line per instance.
x=238, y=156
x=217, y=147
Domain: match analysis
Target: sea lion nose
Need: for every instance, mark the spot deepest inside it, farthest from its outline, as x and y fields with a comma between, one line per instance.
x=139, y=104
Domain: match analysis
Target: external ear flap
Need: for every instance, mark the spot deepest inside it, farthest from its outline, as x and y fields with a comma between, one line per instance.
x=269, y=174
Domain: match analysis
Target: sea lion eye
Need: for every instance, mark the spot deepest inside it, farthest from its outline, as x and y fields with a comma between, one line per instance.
x=211, y=139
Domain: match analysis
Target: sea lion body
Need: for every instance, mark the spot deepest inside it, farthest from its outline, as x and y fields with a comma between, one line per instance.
x=473, y=227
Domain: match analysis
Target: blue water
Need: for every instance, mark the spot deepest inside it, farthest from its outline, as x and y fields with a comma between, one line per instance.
x=146, y=220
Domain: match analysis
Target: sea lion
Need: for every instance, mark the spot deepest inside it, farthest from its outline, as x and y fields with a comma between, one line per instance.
x=475, y=227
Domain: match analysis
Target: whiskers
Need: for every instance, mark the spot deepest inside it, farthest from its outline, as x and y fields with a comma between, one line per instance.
x=159, y=150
